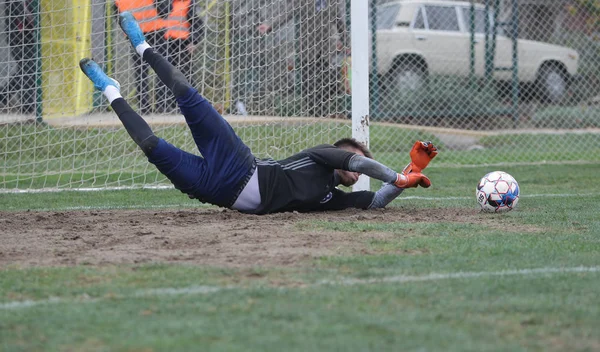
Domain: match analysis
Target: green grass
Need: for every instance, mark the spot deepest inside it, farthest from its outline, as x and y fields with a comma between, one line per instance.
x=503, y=314
x=305, y=307
x=568, y=117
x=449, y=98
x=40, y=156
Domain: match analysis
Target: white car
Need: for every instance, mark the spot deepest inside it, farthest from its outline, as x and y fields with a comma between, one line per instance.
x=417, y=38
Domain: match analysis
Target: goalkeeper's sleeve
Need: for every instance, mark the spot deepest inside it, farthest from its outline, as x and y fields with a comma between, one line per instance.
x=387, y=193
x=372, y=168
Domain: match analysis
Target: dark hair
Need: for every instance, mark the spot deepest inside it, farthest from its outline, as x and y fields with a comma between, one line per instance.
x=351, y=142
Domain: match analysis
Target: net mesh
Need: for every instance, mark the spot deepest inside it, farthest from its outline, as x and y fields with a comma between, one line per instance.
x=489, y=81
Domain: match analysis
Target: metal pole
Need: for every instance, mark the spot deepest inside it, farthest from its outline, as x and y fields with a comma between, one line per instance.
x=227, y=56
x=489, y=64
x=515, y=70
x=472, y=48
x=347, y=15
x=494, y=34
x=374, y=78
x=360, y=78
x=38, y=62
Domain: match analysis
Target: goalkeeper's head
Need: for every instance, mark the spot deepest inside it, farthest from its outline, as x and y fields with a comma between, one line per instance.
x=348, y=178
x=351, y=143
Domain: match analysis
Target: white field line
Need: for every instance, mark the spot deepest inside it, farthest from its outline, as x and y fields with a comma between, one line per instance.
x=462, y=275
x=84, y=189
x=170, y=187
x=437, y=164
x=399, y=279
x=194, y=205
x=512, y=164
x=563, y=195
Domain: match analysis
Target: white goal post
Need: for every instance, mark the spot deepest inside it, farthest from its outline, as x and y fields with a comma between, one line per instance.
x=360, y=78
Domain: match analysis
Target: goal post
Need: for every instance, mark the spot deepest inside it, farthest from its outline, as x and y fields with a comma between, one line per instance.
x=360, y=78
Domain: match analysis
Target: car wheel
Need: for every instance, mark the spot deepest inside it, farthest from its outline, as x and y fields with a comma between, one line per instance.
x=552, y=84
x=407, y=76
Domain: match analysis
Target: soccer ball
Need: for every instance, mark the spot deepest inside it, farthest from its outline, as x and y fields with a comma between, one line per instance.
x=497, y=192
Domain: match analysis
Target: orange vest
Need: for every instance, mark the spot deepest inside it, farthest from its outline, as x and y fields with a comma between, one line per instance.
x=177, y=24
x=144, y=12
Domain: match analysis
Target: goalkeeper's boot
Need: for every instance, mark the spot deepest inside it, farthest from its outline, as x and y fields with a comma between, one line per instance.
x=131, y=28
x=95, y=73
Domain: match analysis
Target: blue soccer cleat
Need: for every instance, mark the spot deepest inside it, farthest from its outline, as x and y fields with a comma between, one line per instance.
x=131, y=28
x=97, y=75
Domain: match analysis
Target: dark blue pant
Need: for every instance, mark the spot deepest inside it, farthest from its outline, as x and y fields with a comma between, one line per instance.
x=226, y=163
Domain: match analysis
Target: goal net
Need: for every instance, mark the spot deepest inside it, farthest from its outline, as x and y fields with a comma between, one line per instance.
x=280, y=72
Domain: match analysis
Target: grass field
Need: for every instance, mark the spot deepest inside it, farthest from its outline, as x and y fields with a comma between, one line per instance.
x=40, y=156
x=527, y=280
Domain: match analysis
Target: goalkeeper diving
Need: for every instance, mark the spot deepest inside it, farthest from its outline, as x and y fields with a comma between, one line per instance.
x=228, y=175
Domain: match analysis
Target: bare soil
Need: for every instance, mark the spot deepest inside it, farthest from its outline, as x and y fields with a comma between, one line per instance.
x=197, y=236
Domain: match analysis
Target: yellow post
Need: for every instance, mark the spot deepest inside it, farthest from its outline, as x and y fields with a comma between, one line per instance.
x=66, y=27
x=81, y=45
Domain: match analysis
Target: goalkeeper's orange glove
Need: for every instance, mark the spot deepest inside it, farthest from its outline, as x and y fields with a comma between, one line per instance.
x=420, y=155
x=412, y=180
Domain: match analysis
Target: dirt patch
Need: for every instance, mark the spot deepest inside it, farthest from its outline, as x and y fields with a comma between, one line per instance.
x=197, y=236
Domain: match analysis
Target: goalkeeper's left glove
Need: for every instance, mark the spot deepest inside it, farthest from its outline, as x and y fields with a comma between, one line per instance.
x=420, y=155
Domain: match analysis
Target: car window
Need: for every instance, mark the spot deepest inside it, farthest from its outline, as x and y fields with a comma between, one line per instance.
x=479, y=19
x=419, y=20
x=442, y=18
x=386, y=16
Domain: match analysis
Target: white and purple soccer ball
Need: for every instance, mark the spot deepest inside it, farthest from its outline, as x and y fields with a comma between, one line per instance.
x=497, y=192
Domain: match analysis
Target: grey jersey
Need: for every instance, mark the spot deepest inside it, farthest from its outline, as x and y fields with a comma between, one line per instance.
x=307, y=181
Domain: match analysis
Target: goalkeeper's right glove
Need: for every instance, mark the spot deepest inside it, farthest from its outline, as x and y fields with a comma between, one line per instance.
x=412, y=180
x=420, y=155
